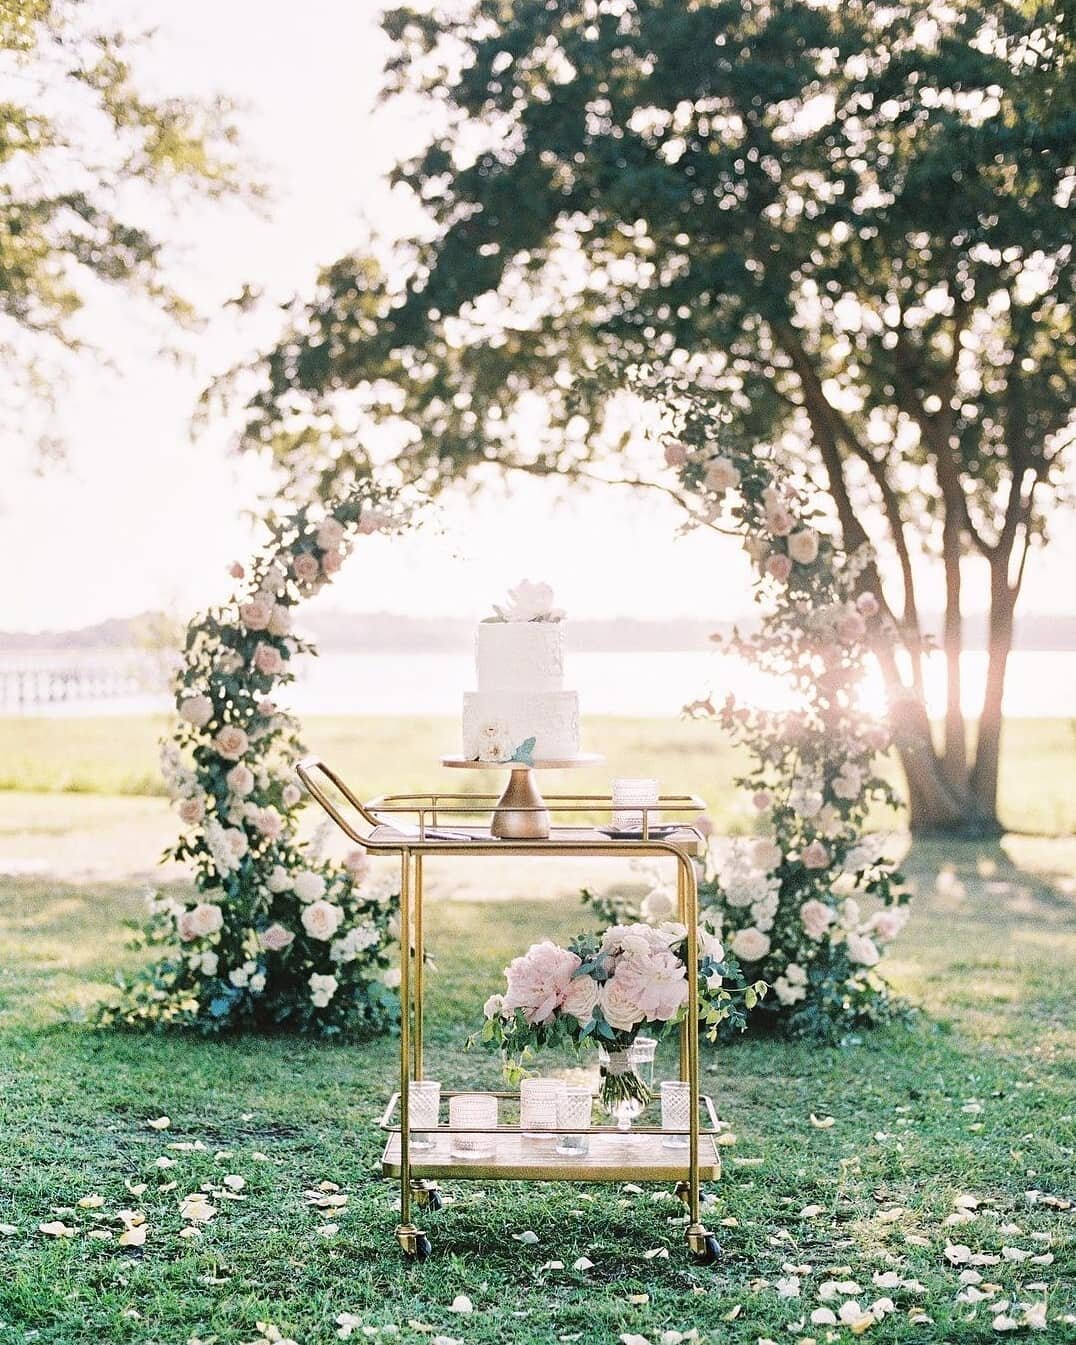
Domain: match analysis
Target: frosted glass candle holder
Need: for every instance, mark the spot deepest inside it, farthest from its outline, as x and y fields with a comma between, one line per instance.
x=424, y=1107
x=676, y=1113
x=628, y=798
x=574, y=1106
x=465, y=1112
x=538, y=1107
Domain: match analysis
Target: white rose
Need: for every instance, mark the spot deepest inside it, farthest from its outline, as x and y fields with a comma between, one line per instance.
x=308, y=886
x=206, y=918
x=391, y=978
x=240, y=780
x=239, y=977
x=803, y=546
x=279, y=879
x=862, y=950
x=787, y=993
x=257, y=983
x=766, y=854
x=322, y=919
x=197, y=711
x=658, y=905
x=750, y=944
x=582, y=998
x=322, y=989
x=495, y=742
x=209, y=963
x=710, y=945
x=796, y=974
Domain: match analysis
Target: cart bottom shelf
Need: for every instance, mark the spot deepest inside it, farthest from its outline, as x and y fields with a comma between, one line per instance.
x=611, y=1158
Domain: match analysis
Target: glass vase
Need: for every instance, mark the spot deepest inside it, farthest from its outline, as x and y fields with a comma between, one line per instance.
x=627, y=1075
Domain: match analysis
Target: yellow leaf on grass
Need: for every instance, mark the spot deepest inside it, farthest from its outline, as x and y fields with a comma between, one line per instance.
x=822, y=1122
x=91, y=1202
x=161, y=1123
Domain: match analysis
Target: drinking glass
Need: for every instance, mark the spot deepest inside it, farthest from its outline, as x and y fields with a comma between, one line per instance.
x=633, y=792
x=574, y=1107
x=465, y=1112
x=538, y=1107
x=424, y=1099
x=676, y=1113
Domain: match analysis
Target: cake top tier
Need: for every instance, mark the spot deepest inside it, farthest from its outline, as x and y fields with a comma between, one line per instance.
x=528, y=601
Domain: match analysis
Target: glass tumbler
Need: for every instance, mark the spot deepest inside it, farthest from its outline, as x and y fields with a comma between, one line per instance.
x=676, y=1113
x=633, y=792
x=424, y=1099
x=466, y=1111
x=538, y=1107
x=574, y=1108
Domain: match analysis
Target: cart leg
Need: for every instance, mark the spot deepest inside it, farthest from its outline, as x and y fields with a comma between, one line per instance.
x=406, y=1233
x=701, y=1242
x=420, y=955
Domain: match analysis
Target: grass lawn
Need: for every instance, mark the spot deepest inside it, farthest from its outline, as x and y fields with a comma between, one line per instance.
x=967, y=1115
x=119, y=756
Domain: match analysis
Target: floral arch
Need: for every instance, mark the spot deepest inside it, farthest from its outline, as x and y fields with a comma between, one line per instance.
x=277, y=937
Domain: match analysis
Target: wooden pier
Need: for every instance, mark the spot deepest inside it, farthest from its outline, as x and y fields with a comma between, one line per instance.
x=27, y=688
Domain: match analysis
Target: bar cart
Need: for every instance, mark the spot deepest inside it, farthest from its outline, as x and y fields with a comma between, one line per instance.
x=521, y=823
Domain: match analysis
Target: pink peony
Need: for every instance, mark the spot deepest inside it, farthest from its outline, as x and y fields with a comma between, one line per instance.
x=816, y=917
x=322, y=919
x=779, y=567
x=851, y=626
x=656, y=983
x=867, y=604
x=275, y=938
x=196, y=711
x=267, y=660
x=803, y=547
x=305, y=567
x=191, y=811
x=240, y=780
x=256, y=614
x=861, y=950
x=675, y=453
x=582, y=998
x=619, y=1007
x=816, y=856
x=750, y=944
x=231, y=742
x=357, y=863
x=538, y=982
x=779, y=520
x=722, y=475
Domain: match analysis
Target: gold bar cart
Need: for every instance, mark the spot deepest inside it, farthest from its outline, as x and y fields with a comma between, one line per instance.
x=415, y=826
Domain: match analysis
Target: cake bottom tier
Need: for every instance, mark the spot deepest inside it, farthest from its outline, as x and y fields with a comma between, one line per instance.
x=551, y=718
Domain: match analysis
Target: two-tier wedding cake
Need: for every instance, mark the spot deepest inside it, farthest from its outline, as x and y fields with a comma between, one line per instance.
x=521, y=708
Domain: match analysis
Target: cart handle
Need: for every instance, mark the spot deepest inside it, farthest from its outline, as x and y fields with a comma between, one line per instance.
x=306, y=769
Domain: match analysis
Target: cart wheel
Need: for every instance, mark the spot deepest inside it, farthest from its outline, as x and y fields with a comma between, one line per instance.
x=414, y=1243
x=682, y=1192
x=424, y=1247
x=709, y=1252
x=434, y=1202
x=425, y=1195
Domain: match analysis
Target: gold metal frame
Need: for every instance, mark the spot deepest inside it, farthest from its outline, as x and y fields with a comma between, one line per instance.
x=424, y=837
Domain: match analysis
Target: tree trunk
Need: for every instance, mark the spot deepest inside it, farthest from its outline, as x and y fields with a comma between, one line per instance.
x=984, y=775
x=955, y=755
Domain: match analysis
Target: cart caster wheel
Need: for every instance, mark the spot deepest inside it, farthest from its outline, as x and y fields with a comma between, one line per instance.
x=426, y=1196
x=414, y=1243
x=434, y=1202
x=682, y=1192
x=710, y=1252
x=424, y=1247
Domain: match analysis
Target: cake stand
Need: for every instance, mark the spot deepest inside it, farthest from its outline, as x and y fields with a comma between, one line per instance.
x=520, y=813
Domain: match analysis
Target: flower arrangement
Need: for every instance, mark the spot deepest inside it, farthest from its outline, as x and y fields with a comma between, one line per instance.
x=603, y=990
x=792, y=901
x=274, y=935
x=528, y=601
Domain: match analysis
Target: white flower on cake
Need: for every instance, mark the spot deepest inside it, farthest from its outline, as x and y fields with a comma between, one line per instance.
x=495, y=742
x=529, y=601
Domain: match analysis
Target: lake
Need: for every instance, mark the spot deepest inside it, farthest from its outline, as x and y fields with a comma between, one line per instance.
x=1041, y=683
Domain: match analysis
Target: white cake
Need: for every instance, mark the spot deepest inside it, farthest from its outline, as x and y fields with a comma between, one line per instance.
x=521, y=688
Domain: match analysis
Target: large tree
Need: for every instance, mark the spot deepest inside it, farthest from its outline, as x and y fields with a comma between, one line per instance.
x=850, y=218
x=87, y=158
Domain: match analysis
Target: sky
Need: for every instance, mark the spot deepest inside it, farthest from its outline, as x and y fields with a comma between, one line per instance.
x=146, y=516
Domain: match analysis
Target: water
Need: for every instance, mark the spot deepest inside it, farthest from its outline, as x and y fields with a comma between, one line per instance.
x=1041, y=683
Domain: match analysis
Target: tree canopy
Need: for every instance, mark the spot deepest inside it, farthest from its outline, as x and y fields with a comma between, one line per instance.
x=850, y=219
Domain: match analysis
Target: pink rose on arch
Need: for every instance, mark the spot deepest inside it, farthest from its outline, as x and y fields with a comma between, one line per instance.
x=255, y=615
x=862, y=950
x=231, y=742
x=240, y=780
x=779, y=520
x=538, y=982
x=196, y=711
x=280, y=621
x=236, y=841
x=721, y=475
x=750, y=944
x=675, y=453
x=887, y=924
x=191, y=811
x=267, y=660
x=868, y=604
x=330, y=534
x=803, y=546
x=851, y=626
x=357, y=863
x=762, y=800
x=266, y=707
x=269, y=822
x=876, y=736
x=236, y=570
x=816, y=917
x=276, y=938
x=305, y=567
x=322, y=919
x=582, y=998
x=816, y=856
x=331, y=562
x=290, y=795
x=373, y=520
x=779, y=567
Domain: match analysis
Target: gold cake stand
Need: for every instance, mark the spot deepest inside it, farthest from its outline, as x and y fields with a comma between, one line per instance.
x=423, y=827
x=520, y=813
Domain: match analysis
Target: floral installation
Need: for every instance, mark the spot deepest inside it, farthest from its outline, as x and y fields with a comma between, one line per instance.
x=791, y=902
x=528, y=601
x=275, y=936
x=603, y=990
